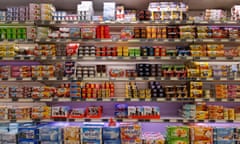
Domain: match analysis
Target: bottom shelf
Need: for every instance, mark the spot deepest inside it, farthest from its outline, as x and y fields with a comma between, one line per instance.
x=106, y=119
x=118, y=133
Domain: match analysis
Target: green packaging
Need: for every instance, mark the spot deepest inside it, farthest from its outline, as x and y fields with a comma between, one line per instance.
x=178, y=132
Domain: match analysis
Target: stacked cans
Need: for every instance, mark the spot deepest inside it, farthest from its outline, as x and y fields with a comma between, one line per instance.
x=102, y=31
x=147, y=70
x=172, y=32
x=69, y=69
x=157, y=89
x=85, y=71
x=86, y=51
x=140, y=32
x=101, y=70
x=106, y=51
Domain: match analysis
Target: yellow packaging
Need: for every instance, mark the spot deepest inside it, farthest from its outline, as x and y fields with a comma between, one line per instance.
x=196, y=93
x=193, y=72
x=215, y=47
x=231, y=114
x=197, y=47
x=225, y=114
x=201, y=115
x=206, y=73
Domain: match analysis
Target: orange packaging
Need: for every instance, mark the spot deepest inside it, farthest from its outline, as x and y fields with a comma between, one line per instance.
x=200, y=133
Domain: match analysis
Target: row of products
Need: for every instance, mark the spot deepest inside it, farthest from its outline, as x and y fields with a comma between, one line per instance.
x=123, y=133
x=99, y=32
x=75, y=49
x=46, y=112
x=31, y=12
x=202, y=134
x=132, y=90
x=20, y=33
x=147, y=32
x=139, y=112
x=156, y=89
x=76, y=133
x=111, y=12
x=74, y=90
x=202, y=111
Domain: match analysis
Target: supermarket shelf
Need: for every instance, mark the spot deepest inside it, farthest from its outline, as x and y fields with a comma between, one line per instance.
x=16, y=23
x=117, y=58
x=19, y=41
x=161, y=120
x=169, y=40
x=217, y=40
x=114, y=40
x=95, y=79
x=94, y=58
x=118, y=79
x=136, y=23
x=120, y=99
x=114, y=23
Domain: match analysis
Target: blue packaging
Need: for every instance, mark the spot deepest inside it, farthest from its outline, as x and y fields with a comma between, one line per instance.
x=223, y=133
x=91, y=133
x=28, y=142
x=110, y=133
x=50, y=133
x=224, y=142
x=92, y=142
x=116, y=141
x=27, y=133
x=50, y=142
x=121, y=107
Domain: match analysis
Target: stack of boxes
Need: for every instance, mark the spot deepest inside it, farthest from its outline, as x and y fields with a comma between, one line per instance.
x=71, y=134
x=196, y=89
x=41, y=112
x=43, y=92
x=134, y=51
x=2, y=15
x=187, y=32
x=111, y=135
x=224, y=135
x=130, y=133
x=28, y=134
x=85, y=11
x=215, y=14
x=76, y=89
x=109, y=11
x=21, y=71
x=42, y=32
x=91, y=134
x=4, y=91
x=7, y=50
x=50, y=134
x=43, y=71
x=3, y=113
x=4, y=71
x=122, y=51
x=17, y=13
x=188, y=111
x=19, y=113
x=178, y=134
x=235, y=12
x=45, y=50
x=201, y=134
x=13, y=33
